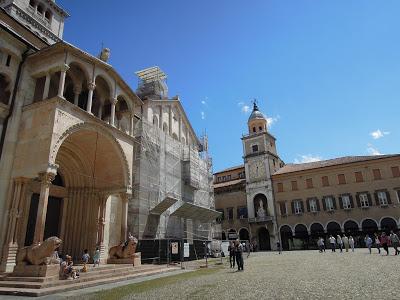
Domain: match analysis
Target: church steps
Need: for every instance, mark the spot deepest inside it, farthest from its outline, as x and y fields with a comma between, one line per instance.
x=87, y=280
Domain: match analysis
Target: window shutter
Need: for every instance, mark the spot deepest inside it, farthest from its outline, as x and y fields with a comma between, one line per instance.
x=324, y=203
x=292, y=207
x=369, y=199
x=302, y=206
x=340, y=202
x=334, y=203
x=351, y=201
x=376, y=199
x=358, y=200
x=308, y=205
x=318, y=207
x=388, y=197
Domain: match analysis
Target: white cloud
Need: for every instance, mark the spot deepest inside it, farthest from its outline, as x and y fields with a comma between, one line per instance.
x=372, y=150
x=377, y=134
x=271, y=121
x=243, y=107
x=307, y=158
x=203, y=115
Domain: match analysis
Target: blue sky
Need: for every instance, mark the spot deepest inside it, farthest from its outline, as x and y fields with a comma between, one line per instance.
x=326, y=73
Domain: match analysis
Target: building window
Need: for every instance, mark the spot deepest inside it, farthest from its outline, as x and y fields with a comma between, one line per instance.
x=228, y=177
x=309, y=183
x=294, y=186
x=241, y=175
x=282, y=207
x=221, y=217
x=40, y=9
x=47, y=15
x=395, y=171
x=242, y=212
x=260, y=128
x=398, y=195
x=229, y=213
x=382, y=198
x=325, y=181
x=346, y=203
x=329, y=204
x=364, y=201
x=280, y=187
x=313, y=205
x=254, y=148
x=254, y=129
x=32, y=3
x=8, y=62
x=298, y=207
x=341, y=179
x=219, y=179
x=377, y=174
x=359, y=177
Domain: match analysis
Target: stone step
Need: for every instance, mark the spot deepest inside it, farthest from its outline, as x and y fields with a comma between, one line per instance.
x=80, y=285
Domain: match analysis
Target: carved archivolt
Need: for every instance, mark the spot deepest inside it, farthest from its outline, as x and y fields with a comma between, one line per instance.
x=102, y=131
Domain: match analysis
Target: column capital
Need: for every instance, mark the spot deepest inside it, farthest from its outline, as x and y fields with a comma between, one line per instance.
x=114, y=101
x=46, y=177
x=64, y=68
x=91, y=86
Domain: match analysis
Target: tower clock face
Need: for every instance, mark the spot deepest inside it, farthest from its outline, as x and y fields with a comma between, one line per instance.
x=257, y=169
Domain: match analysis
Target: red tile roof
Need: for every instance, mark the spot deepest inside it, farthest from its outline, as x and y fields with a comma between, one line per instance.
x=289, y=168
x=229, y=183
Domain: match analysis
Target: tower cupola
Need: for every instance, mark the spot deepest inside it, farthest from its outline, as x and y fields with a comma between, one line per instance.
x=257, y=121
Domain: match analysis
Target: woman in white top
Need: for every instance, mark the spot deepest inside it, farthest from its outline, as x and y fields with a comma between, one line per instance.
x=351, y=243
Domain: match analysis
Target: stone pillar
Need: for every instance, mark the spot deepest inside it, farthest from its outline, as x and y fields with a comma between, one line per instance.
x=14, y=223
x=132, y=124
x=100, y=231
x=77, y=92
x=45, y=178
x=113, y=104
x=180, y=128
x=46, y=86
x=61, y=84
x=91, y=87
x=124, y=217
x=170, y=120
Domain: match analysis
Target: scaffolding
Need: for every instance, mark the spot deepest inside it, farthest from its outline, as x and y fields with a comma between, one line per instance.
x=168, y=174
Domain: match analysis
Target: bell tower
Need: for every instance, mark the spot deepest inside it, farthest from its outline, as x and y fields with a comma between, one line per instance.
x=43, y=17
x=260, y=161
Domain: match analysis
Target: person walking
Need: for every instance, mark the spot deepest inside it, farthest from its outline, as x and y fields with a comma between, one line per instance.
x=394, y=238
x=368, y=242
x=339, y=242
x=319, y=244
x=345, y=240
x=385, y=242
x=332, y=241
x=378, y=243
x=232, y=258
x=351, y=243
x=278, y=245
x=239, y=255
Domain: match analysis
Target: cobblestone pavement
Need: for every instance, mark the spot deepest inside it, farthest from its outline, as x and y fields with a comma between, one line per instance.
x=294, y=275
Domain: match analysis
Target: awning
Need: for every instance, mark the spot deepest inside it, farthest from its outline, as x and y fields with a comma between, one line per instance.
x=163, y=205
x=195, y=212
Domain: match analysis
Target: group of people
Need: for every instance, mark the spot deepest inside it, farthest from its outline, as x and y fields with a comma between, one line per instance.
x=383, y=241
x=344, y=242
x=67, y=269
x=235, y=250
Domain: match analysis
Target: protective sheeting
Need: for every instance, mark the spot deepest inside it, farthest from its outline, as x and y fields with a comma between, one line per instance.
x=195, y=212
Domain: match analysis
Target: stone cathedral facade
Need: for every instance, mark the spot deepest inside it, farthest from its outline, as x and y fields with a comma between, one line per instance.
x=84, y=156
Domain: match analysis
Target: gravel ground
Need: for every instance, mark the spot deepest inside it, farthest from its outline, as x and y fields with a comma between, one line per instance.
x=294, y=275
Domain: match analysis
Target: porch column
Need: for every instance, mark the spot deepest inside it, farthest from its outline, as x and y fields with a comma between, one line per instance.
x=101, y=223
x=124, y=217
x=132, y=124
x=180, y=128
x=113, y=104
x=14, y=223
x=46, y=86
x=45, y=178
x=61, y=84
x=170, y=120
x=91, y=87
x=77, y=92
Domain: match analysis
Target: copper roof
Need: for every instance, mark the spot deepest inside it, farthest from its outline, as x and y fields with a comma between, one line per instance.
x=289, y=168
x=229, y=183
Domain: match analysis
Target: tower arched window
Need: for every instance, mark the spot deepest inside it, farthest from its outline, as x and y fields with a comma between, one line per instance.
x=47, y=15
x=32, y=3
x=40, y=9
x=254, y=129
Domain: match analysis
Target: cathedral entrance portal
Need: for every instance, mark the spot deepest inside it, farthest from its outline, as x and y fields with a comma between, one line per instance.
x=263, y=239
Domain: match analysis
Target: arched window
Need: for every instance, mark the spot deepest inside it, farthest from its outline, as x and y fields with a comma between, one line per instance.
x=155, y=121
x=47, y=15
x=40, y=9
x=4, y=90
x=32, y=3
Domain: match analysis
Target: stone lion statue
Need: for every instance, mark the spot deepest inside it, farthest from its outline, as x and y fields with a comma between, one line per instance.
x=125, y=250
x=41, y=254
